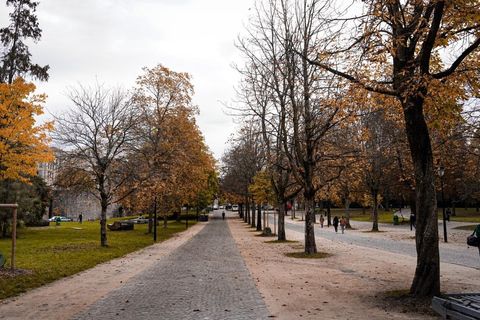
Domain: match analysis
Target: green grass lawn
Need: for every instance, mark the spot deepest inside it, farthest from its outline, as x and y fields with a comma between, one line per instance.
x=59, y=251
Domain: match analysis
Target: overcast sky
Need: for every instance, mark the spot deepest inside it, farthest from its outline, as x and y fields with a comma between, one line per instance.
x=111, y=40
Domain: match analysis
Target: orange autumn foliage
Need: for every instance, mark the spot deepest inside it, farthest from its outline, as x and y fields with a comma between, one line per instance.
x=22, y=143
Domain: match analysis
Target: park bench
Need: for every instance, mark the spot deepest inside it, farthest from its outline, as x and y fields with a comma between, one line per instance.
x=461, y=306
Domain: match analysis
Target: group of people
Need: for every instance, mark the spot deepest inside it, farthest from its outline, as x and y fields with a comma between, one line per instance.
x=342, y=221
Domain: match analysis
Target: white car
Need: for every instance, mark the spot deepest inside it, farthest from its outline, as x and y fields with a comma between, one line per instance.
x=140, y=220
x=62, y=219
x=234, y=207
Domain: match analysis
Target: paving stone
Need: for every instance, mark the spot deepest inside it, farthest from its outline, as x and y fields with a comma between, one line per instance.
x=206, y=278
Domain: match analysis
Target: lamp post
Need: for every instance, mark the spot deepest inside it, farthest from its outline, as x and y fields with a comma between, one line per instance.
x=441, y=173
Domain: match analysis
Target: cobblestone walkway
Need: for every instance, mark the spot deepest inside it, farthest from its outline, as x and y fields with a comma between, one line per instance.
x=206, y=278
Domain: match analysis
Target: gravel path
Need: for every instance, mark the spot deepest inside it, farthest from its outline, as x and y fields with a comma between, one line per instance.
x=465, y=257
x=206, y=278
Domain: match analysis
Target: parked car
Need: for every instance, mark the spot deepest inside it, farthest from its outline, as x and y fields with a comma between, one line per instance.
x=234, y=207
x=140, y=220
x=62, y=219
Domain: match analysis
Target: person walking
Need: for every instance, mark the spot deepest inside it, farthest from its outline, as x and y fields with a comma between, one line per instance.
x=335, y=224
x=223, y=215
x=412, y=221
x=343, y=224
x=80, y=218
x=322, y=220
x=449, y=213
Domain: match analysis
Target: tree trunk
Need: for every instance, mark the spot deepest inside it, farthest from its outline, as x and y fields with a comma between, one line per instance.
x=259, y=218
x=310, y=246
x=150, y=221
x=329, y=215
x=426, y=281
x=347, y=212
x=253, y=214
x=240, y=210
x=103, y=221
x=281, y=220
x=375, y=210
x=247, y=210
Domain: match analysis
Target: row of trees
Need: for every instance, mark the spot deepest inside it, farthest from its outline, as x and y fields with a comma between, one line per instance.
x=361, y=100
x=141, y=149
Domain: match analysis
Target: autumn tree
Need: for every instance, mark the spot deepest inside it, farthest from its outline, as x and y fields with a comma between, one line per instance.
x=313, y=107
x=97, y=134
x=376, y=158
x=176, y=164
x=15, y=60
x=240, y=164
x=264, y=95
x=22, y=143
x=425, y=55
x=262, y=191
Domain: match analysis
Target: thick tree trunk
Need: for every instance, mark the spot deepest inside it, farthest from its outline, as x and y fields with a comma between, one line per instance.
x=426, y=281
x=310, y=245
x=150, y=222
x=103, y=221
x=259, y=218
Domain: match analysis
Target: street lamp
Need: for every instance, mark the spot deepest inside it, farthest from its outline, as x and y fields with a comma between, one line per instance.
x=441, y=173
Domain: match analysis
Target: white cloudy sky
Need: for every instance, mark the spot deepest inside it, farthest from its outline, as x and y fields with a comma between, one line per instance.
x=111, y=40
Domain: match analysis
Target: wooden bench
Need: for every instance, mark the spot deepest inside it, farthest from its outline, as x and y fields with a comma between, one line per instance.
x=462, y=306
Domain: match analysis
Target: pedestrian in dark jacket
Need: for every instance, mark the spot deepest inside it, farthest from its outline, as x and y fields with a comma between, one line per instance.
x=335, y=223
x=412, y=221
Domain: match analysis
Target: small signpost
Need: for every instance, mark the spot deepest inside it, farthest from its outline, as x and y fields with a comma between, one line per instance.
x=14, y=228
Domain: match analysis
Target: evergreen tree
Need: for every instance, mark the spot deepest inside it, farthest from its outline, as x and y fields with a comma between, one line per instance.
x=14, y=54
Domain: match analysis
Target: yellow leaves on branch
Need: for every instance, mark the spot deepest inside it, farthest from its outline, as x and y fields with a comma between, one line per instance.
x=22, y=144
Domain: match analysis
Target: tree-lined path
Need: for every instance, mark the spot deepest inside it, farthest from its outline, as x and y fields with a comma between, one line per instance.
x=206, y=278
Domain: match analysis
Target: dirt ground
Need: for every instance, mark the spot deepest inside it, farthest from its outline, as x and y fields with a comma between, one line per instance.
x=350, y=284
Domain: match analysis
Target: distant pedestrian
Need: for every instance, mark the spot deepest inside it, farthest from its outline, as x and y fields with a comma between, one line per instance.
x=449, y=213
x=80, y=218
x=223, y=215
x=335, y=224
x=322, y=220
x=412, y=221
x=343, y=224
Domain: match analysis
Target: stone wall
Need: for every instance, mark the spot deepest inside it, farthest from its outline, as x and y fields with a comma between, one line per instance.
x=71, y=203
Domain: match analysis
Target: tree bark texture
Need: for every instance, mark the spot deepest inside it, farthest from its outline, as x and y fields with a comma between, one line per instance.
x=426, y=281
x=310, y=245
x=259, y=218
